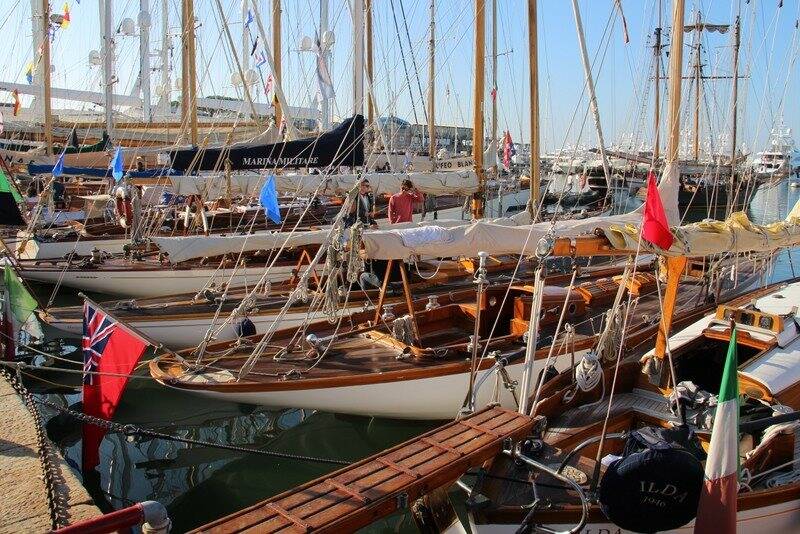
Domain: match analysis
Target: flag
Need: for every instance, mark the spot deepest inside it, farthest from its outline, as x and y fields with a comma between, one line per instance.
x=494, y=94
x=625, y=35
x=17, y=103
x=9, y=197
x=255, y=45
x=655, y=226
x=261, y=59
x=21, y=305
x=65, y=20
x=116, y=164
x=509, y=150
x=29, y=73
x=249, y=20
x=58, y=169
x=717, y=509
x=269, y=200
x=108, y=347
x=2, y=123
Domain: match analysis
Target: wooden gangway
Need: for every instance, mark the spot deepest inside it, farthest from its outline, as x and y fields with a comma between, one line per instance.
x=375, y=487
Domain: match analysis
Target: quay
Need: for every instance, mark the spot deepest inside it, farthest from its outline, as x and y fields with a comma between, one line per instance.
x=24, y=506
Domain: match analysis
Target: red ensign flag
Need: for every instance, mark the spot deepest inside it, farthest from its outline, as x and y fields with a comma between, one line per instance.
x=655, y=226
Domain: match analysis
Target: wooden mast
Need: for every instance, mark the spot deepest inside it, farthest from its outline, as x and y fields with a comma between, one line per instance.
x=734, y=113
x=369, y=64
x=276, y=51
x=431, y=87
x=533, y=54
x=674, y=265
x=478, y=199
x=189, y=71
x=48, y=111
x=493, y=143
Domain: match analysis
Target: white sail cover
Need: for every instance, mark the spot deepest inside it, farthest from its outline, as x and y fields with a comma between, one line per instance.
x=464, y=182
x=515, y=236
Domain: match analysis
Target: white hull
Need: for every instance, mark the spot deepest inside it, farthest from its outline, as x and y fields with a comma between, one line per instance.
x=783, y=518
x=35, y=250
x=155, y=283
x=437, y=398
x=189, y=332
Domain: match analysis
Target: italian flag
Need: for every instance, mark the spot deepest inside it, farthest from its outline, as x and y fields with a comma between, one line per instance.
x=717, y=509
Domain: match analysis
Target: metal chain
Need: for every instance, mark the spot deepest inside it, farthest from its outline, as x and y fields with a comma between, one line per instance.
x=51, y=473
x=133, y=430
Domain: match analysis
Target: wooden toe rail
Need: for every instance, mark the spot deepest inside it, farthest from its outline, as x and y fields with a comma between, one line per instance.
x=359, y=494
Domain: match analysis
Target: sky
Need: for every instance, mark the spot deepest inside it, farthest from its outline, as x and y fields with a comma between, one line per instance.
x=622, y=71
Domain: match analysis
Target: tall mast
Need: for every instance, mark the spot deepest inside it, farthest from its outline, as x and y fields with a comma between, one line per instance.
x=166, y=45
x=493, y=144
x=48, y=112
x=144, y=58
x=587, y=70
x=698, y=80
x=358, y=57
x=245, y=37
x=477, y=107
x=189, y=71
x=735, y=93
x=370, y=103
x=108, y=63
x=432, y=86
x=675, y=75
x=277, y=52
x=657, y=96
x=323, y=28
x=533, y=54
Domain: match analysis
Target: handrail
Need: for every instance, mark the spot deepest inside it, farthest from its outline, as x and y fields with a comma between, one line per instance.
x=150, y=514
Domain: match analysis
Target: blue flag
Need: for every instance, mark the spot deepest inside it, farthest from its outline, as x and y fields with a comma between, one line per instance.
x=269, y=200
x=58, y=169
x=116, y=164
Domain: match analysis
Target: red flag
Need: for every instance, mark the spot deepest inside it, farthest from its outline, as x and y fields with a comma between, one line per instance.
x=494, y=94
x=108, y=347
x=655, y=226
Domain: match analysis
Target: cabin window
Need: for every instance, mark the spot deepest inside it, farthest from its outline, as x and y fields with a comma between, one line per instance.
x=572, y=308
x=747, y=318
x=728, y=314
x=765, y=321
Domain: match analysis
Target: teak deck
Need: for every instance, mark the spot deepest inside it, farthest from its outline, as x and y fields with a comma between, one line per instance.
x=359, y=494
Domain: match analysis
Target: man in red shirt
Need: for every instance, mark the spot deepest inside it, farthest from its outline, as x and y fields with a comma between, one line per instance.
x=401, y=205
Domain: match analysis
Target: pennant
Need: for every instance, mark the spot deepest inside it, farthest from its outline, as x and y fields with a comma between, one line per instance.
x=116, y=165
x=249, y=20
x=268, y=86
x=494, y=94
x=255, y=45
x=655, y=226
x=625, y=35
x=21, y=305
x=261, y=59
x=9, y=199
x=268, y=199
x=58, y=169
x=65, y=20
x=108, y=347
x=717, y=509
x=29, y=73
x=2, y=123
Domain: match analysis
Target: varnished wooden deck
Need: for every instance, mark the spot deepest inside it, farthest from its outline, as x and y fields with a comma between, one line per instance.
x=357, y=495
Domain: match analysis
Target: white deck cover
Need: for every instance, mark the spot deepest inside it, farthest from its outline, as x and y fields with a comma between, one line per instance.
x=777, y=369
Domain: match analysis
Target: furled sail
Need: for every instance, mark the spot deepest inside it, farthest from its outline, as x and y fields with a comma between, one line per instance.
x=344, y=145
x=464, y=182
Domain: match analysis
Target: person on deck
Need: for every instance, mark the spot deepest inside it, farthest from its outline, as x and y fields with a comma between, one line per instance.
x=401, y=205
x=363, y=208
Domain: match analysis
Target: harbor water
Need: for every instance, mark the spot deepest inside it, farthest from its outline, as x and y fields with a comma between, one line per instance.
x=198, y=484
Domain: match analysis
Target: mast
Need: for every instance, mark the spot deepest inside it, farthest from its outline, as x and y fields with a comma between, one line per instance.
x=370, y=103
x=277, y=51
x=478, y=198
x=323, y=28
x=166, y=45
x=358, y=57
x=587, y=70
x=48, y=112
x=698, y=80
x=431, y=87
x=242, y=73
x=533, y=54
x=675, y=265
x=245, y=37
x=144, y=58
x=189, y=71
x=657, y=96
x=734, y=112
x=493, y=144
x=107, y=15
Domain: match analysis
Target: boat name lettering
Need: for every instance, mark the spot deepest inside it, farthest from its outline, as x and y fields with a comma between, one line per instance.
x=654, y=493
x=274, y=162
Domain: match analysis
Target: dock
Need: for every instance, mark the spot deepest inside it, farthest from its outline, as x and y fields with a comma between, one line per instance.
x=357, y=495
x=24, y=504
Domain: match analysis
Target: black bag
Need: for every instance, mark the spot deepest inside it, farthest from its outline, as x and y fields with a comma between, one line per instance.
x=656, y=485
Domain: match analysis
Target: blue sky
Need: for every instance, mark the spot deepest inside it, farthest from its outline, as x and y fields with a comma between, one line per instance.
x=770, y=44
